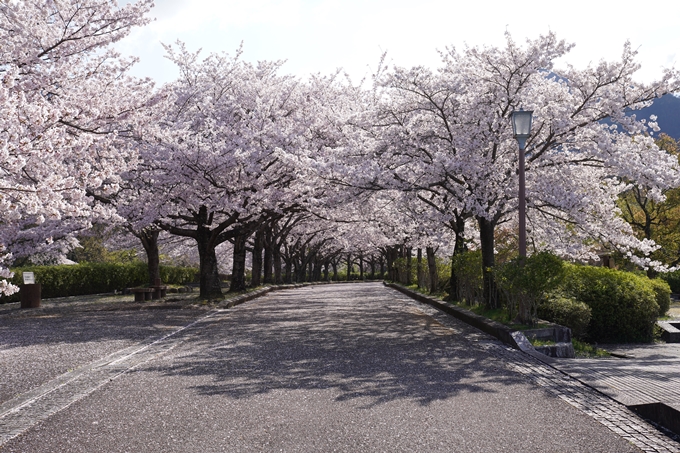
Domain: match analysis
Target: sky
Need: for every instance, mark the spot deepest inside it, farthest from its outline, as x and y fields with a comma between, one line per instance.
x=321, y=36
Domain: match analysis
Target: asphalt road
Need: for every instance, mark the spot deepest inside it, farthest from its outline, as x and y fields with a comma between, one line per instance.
x=332, y=368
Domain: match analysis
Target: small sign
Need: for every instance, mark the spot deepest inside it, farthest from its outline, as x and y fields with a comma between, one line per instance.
x=29, y=278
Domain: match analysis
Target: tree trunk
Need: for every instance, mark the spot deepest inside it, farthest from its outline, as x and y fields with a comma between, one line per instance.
x=149, y=238
x=208, y=274
x=289, y=272
x=432, y=267
x=276, y=256
x=399, y=269
x=238, y=273
x=300, y=268
x=325, y=272
x=486, y=237
x=409, y=279
x=268, y=255
x=336, y=277
x=361, y=267
x=459, y=247
x=349, y=266
x=391, y=255
x=258, y=245
x=318, y=270
x=419, y=268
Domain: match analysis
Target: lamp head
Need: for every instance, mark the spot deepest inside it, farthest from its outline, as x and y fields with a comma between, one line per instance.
x=521, y=126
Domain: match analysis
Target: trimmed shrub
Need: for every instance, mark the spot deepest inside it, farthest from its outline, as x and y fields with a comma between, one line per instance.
x=176, y=275
x=95, y=278
x=468, y=269
x=566, y=312
x=673, y=280
x=663, y=295
x=526, y=281
x=624, y=307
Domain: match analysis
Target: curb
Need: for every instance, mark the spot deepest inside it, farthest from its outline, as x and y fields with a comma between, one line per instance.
x=512, y=338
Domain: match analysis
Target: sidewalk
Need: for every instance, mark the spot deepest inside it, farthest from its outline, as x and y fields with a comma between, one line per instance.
x=649, y=374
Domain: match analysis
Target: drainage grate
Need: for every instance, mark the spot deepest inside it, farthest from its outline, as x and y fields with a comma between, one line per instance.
x=661, y=415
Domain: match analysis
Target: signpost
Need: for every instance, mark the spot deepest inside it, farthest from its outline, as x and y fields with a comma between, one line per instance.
x=30, y=291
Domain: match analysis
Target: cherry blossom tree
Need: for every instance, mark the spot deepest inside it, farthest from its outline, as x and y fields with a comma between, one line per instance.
x=446, y=136
x=218, y=165
x=68, y=110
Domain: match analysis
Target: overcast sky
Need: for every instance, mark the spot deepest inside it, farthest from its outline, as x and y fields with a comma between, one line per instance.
x=323, y=35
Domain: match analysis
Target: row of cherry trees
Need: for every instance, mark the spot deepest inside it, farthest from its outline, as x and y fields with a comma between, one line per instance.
x=307, y=173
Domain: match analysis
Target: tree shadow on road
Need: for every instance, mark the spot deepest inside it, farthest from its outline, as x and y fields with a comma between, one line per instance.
x=362, y=343
x=41, y=345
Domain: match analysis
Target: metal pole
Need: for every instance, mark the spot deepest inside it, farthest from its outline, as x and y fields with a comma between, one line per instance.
x=522, y=206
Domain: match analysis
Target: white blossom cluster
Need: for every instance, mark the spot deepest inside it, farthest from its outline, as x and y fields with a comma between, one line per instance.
x=232, y=150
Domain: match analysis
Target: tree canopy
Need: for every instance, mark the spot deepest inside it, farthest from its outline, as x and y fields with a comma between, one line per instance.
x=309, y=171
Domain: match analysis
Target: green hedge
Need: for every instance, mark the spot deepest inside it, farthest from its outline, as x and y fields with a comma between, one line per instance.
x=567, y=312
x=662, y=292
x=526, y=282
x=623, y=305
x=469, y=279
x=673, y=279
x=95, y=278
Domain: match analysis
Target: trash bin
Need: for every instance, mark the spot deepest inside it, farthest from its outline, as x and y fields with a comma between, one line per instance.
x=30, y=295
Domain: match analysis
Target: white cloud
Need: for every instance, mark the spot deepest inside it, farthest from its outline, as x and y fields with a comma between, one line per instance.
x=322, y=35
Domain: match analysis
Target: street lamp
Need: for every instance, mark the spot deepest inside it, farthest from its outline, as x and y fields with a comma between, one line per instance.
x=521, y=128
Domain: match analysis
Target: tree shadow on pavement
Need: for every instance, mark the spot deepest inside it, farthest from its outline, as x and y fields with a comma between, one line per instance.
x=364, y=342
x=38, y=346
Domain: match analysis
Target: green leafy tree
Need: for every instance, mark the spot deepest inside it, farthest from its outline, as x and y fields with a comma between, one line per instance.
x=653, y=217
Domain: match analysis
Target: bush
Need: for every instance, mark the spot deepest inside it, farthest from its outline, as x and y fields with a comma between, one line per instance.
x=95, y=278
x=526, y=281
x=566, y=312
x=623, y=305
x=663, y=295
x=673, y=280
x=176, y=275
x=468, y=269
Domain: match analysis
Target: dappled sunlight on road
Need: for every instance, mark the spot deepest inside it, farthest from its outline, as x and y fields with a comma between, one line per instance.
x=364, y=341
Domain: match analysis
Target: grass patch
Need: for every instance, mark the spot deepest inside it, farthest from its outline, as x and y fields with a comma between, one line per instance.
x=441, y=295
x=497, y=314
x=583, y=349
x=536, y=342
x=501, y=315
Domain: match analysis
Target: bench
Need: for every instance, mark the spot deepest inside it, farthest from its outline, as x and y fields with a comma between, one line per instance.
x=142, y=294
x=159, y=292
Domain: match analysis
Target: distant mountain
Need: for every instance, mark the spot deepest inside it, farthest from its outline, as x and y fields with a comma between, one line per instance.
x=667, y=109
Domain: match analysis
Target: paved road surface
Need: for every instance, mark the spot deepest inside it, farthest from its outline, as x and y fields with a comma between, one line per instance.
x=326, y=368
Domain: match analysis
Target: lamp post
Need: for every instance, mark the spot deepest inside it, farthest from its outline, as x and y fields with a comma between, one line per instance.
x=521, y=128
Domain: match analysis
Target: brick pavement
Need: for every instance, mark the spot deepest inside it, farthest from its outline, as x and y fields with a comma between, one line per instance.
x=647, y=374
